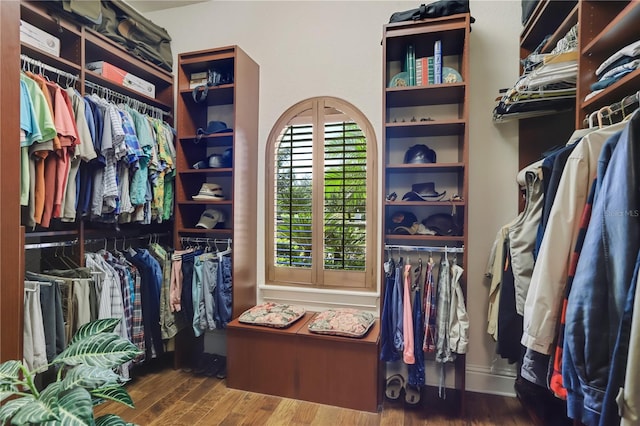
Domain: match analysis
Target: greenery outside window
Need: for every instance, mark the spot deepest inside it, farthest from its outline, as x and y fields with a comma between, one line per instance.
x=321, y=185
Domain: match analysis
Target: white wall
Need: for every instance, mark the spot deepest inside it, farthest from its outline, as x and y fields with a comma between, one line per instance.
x=314, y=48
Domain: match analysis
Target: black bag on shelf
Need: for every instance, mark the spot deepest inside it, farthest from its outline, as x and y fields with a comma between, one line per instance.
x=126, y=26
x=432, y=10
x=121, y=23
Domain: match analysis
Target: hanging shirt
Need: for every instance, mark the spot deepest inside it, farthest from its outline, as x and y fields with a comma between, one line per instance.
x=38, y=152
x=30, y=134
x=407, y=320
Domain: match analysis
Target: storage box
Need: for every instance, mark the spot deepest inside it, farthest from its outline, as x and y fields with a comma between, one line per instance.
x=34, y=36
x=195, y=83
x=115, y=74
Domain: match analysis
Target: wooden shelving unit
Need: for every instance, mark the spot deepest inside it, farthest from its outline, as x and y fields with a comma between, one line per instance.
x=447, y=134
x=235, y=104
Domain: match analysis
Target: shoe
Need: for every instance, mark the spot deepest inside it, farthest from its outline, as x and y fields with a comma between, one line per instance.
x=222, y=373
x=395, y=384
x=214, y=366
x=412, y=394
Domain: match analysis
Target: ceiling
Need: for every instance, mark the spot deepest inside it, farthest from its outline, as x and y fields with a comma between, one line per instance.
x=153, y=5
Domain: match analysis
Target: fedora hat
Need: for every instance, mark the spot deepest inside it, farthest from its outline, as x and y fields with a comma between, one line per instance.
x=425, y=191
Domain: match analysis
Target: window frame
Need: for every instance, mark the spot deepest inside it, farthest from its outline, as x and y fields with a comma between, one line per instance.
x=317, y=276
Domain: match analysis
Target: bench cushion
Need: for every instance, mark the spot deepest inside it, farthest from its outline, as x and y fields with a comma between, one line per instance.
x=342, y=322
x=271, y=314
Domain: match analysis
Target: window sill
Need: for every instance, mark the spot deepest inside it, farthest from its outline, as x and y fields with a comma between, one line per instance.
x=320, y=299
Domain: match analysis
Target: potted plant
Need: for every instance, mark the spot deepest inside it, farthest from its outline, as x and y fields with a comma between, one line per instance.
x=85, y=378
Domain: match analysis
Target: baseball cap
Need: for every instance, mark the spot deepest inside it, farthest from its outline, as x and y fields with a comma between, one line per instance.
x=401, y=219
x=210, y=218
x=209, y=191
x=212, y=161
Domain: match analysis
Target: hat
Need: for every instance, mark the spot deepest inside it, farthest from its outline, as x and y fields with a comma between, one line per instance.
x=210, y=191
x=442, y=224
x=214, y=127
x=212, y=161
x=423, y=192
x=210, y=218
x=419, y=154
x=401, y=219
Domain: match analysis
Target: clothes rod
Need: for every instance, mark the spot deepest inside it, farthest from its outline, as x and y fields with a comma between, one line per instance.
x=42, y=65
x=52, y=244
x=132, y=102
x=124, y=237
x=437, y=249
x=206, y=240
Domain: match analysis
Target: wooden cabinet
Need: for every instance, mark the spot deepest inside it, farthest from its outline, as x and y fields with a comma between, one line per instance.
x=235, y=103
x=434, y=115
x=296, y=363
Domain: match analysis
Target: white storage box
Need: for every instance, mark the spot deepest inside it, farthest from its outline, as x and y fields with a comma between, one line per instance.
x=115, y=74
x=34, y=36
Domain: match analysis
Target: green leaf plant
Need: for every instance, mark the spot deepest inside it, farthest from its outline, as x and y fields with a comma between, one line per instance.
x=85, y=377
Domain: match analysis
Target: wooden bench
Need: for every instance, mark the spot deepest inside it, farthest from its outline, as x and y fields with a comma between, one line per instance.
x=295, y=363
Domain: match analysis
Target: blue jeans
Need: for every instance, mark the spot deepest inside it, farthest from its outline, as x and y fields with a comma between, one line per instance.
x=224, y=293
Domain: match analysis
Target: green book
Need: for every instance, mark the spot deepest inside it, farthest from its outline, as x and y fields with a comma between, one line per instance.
x=430, y=74
x=411, y=64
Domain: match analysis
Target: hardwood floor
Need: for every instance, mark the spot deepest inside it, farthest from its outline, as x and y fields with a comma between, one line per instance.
x=173, y=397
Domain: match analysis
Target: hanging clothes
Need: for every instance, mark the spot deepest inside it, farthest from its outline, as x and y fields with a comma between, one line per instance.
x=407, y=319
x=608, y=258
x=430, y=310
x=416, y=371
x=388, y=352
x=34, y=341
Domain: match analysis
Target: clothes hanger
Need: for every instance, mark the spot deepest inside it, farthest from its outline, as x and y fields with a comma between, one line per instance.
x=601, y=115
x=68, y=260
x=591, y=116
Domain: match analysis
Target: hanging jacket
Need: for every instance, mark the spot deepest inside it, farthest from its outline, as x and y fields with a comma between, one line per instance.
x=387, y=349
x=458, y=318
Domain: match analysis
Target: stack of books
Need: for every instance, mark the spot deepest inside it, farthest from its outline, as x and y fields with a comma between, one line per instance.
x=424, y=70
x=198, y=79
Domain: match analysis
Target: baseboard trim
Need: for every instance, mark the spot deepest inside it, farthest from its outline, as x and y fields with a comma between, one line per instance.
x=480, y=378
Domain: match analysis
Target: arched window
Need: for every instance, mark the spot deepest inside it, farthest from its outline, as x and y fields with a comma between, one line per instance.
x=321, y=182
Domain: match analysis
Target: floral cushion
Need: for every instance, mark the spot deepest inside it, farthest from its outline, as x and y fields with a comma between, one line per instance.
x=272, y=315
x=342, y=322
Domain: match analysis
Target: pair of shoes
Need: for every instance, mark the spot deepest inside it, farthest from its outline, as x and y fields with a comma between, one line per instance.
x=396, y=383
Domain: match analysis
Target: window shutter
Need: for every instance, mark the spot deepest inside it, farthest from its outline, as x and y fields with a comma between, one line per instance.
x=345, y=197
x=294, y=182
